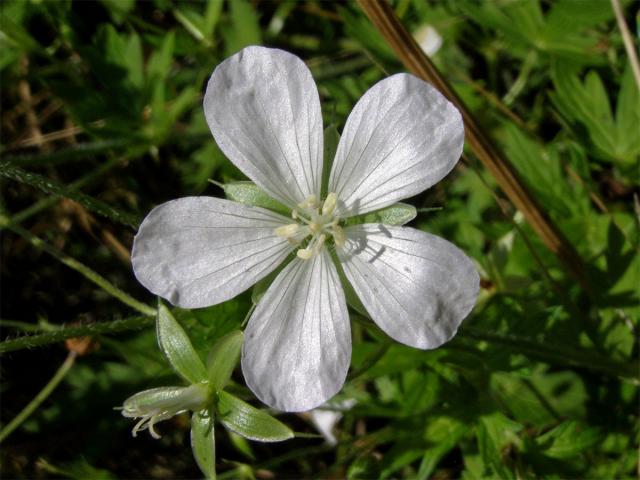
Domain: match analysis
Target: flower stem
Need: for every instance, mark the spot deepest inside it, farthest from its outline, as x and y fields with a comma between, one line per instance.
x=41, y=339
x=47, y=201
x=555, y=354
x=38, y=399
x=79, y=267
x=54, y=188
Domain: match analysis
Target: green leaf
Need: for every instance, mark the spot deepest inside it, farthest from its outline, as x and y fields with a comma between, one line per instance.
x=203, y=442
x=444, y=433
x=223, y=359
x=628, y=118
x=494, y=432
x=244, y=29
x=248, y=193
x=211, y=17
x=176, y=346
x=160, y=60
x=248, y=421
x=396, y=214
x=568, y=439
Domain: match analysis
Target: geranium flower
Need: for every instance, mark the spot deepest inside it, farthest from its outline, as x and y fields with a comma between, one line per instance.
x=402, y=137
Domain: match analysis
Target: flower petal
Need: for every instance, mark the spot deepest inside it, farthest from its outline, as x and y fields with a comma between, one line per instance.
x=200, y=251
x=263, y=109
x=417, y=287
x=402, y=137
x=297, y=345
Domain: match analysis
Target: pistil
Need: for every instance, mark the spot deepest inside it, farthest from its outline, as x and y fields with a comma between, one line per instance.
x=315, y=220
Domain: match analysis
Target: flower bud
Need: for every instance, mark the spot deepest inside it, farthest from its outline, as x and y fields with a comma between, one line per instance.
x=162, y=403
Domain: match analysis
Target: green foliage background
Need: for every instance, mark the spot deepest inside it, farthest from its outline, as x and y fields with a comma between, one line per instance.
x=102, y=120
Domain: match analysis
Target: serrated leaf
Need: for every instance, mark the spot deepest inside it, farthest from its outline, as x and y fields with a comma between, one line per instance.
x=494, y=432
x=223, y=359
x=628, y=118
x=248, y=421
x=248, y=193
x=568, y=439
x=176, y=346
x=203, y=442
x=133, y=61
x=159, y=63
x=396, y=214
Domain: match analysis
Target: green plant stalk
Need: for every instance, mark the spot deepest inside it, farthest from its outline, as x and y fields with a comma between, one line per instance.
x=560, y=356
x=77, y=152
x=79, y=267
x=554, y=354
x=61, y=334
x=46, y=202
x=49, y=186
x=38, y=399
x=191, y=28
x=370, y=361
x=627, y=39
x=523, y=76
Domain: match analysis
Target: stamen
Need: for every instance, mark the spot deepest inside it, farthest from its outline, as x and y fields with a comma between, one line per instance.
x=309, y=202
x=329, y=204
x=152, y=431
x=339, y=238
x=287, y=231
x=320, y=243
x=305, y=253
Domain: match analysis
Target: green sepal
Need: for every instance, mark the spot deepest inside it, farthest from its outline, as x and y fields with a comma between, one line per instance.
x=248, y=421
x=248, y=193
x=203, y=442
x=223, y=359
x=396, y=214
x=176, y=346
x=164, y=398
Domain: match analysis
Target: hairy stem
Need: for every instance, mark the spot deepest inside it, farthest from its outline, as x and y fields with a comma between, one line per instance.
x=79, y=267
x=61, y=334
x=41, y=397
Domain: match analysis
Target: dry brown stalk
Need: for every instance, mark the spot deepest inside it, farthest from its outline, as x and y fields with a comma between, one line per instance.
x=415, y=60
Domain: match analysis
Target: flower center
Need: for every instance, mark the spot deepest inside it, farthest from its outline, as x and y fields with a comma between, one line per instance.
x=315, y=220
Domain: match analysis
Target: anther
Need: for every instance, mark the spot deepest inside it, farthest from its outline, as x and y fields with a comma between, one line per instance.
x=309, y=202
x=305, y=253
x=339, y=237
x=329, y=204
x=287, y=231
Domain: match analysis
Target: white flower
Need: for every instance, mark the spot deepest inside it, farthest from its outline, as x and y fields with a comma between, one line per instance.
x=326, y=417
x=401, y=138
x=428, y=38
